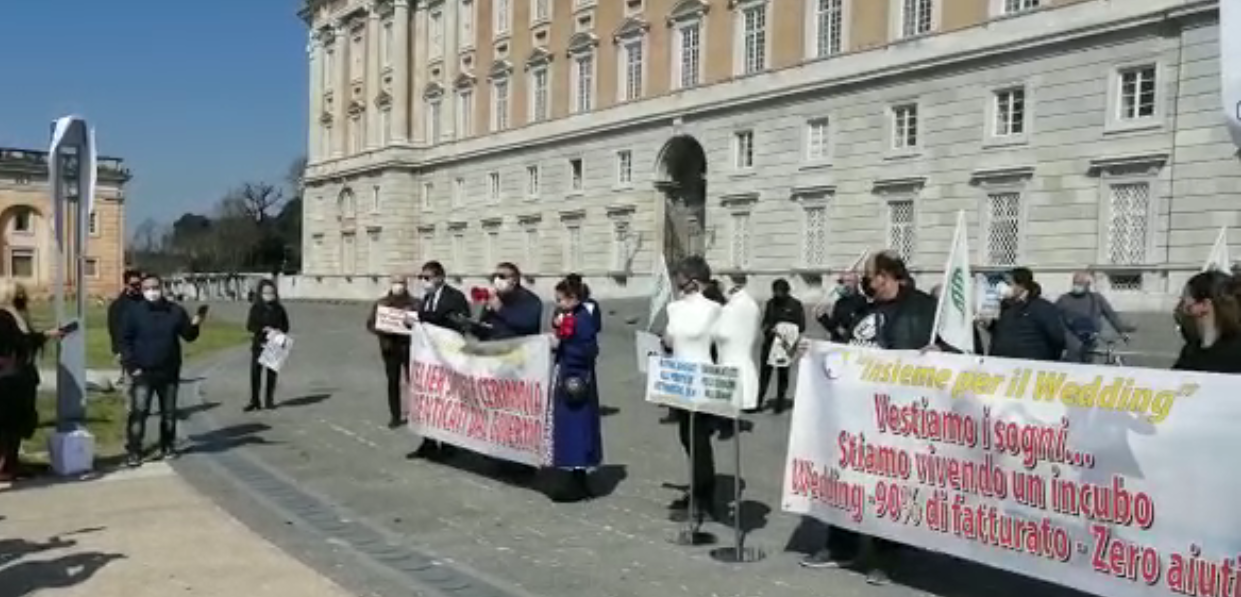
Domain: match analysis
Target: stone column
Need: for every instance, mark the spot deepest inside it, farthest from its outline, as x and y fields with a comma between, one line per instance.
x=448, y=111
x=401, y=66
x=374, y=45
x=314, y=57
x=418, y=106
x=340, y=95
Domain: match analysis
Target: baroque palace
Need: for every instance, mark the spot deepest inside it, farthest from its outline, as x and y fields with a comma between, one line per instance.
x=26, y=224
x=782, y=138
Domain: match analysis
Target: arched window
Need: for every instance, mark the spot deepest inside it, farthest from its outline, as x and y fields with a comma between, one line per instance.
x=346, y=205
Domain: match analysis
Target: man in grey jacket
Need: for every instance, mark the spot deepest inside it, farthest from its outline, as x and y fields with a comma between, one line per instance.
x=1084, y=312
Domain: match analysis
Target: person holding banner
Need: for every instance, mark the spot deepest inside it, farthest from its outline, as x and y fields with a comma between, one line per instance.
x=1029, y=327
x=266, y=315
x=442, y=305
x=393, y=345
x=578, y=440
x=1210, y=318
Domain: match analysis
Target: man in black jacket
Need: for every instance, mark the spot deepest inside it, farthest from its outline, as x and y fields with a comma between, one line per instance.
x=394, y=346
x=150, y=348
x=1029, y=327
x=130, y=295
x=849, y=306
x=442, y=305
x=781, y=308
x=899, y=317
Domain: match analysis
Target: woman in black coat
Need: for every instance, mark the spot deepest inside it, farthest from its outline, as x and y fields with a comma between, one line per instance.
x=19, y=375
x=1210, y=320
x=266, y=315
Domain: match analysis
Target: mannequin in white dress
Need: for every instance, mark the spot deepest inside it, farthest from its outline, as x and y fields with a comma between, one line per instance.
x=692, y=321
x=736, y=332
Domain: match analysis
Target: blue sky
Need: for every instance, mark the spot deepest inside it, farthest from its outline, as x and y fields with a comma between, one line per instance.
x=196, y=96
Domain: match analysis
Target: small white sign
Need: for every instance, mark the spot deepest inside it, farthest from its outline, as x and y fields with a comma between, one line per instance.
x=646, y=345
x=391, y=320
x=276, y=351
x=698, y=387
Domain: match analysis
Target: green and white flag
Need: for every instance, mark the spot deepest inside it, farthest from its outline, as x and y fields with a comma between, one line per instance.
x=1219, y=259
x=954, y=317
x=661, y=294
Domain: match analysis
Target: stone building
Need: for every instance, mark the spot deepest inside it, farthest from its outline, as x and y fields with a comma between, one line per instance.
x=26, y=223
x=783, y=138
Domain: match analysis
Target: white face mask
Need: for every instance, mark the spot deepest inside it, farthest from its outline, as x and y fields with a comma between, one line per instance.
x=151, y=294
x=429, y=286
x=1004, y=290
x=268, y=297
x=398, y=288
x=502, y=284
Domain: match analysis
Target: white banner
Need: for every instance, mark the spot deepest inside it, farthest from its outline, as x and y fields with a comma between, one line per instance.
x=391, y=320
x=276, y=351
x=661, y=294
x=1113, y=481
x=487, y=397
x=698, y=387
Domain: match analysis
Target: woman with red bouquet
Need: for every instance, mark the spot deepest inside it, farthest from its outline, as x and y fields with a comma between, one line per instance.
x=577, y=440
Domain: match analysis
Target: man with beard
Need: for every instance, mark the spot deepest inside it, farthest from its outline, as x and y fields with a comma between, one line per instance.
x=899, y=317
x=130, y=295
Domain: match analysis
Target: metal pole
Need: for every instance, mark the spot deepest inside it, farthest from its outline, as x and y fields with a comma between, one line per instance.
x=738, y=553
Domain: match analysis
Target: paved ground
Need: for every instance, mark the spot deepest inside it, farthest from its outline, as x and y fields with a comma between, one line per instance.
x=324, y=478
x=141, y=533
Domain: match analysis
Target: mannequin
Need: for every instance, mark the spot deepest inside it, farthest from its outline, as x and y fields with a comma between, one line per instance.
x=736, y=331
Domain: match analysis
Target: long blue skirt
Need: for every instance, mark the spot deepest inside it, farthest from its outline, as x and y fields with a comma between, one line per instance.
x=577, y=435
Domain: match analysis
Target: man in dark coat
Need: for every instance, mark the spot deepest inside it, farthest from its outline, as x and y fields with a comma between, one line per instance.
x=442, y=305
x=511, y=311
x=846, y=311
x=130, y=295
x=1029, y=327
x=394, y=347
x=781, y=308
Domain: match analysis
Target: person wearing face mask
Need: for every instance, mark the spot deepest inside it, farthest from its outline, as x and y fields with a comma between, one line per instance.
x=151, y=354
x=591, y=304
x=1084, y=312
x=1210, y=319
x=267, y=315
x=784, y=321
x=442, y=305
x=578, y=441
x=394, y=348
x=511, y=311
x=19, y=375
x=851, y=302
x=130, y=295
x=1028, y=327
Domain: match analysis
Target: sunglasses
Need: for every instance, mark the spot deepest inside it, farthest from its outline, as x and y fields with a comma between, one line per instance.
x=500, y=276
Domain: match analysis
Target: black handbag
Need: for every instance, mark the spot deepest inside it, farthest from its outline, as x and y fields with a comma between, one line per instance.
x=575, y=389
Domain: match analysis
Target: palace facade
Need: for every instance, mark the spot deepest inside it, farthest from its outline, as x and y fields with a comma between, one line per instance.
x=781, y=138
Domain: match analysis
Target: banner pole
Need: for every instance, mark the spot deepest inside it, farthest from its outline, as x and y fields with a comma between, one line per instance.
x=738, y=553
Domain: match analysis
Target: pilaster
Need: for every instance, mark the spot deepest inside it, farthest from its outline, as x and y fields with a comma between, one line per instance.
x=374, y=46
x=340, y=95
x=418, y=106
x=452, y=64
x=400, y=71
x=314, y=58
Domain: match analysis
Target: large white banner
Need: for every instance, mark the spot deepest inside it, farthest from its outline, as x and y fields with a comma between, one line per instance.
x=1114, y=481
x=488, y=397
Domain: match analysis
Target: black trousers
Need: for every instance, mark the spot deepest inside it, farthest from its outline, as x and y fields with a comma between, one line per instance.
x=256, y=380
x=702, y=461
x=143, y=391
x=396, y=369
x=847, y=545
x=764, y=375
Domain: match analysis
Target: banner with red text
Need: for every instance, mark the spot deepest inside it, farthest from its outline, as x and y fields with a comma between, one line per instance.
x=487, y=397
x=1114, y=481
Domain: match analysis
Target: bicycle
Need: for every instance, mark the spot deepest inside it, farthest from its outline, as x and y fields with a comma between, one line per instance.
x=1107, y=353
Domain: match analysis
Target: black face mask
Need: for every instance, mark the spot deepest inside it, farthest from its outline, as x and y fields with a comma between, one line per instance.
x=865, y=287
x=1187, y=326
x=20, y=302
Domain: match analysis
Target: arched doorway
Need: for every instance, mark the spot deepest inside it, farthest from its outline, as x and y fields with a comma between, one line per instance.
x=682, y=178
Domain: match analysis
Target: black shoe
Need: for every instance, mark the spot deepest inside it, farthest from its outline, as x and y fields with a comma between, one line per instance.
x=876, y=577
x=396, y=423
x=669, y=417
x=779, y=406
x=823, y=559
x=681, y=503
x=572, y=487
x=253, y=406
x=753, y=411
x=133, y=460
x=269, y=404
x=429, y=450
x=702, y=512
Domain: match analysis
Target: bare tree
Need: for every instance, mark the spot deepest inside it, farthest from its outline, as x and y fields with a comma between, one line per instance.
x=146, y=236
x=257, y=200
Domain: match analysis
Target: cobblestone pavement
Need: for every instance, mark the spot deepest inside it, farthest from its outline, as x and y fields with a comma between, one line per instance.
x=328, y=465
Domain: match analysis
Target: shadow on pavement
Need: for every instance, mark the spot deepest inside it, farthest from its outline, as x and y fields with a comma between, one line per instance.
x=304, y=400
x=30, y=578
x=607, y=478
x=228, y=438
x=186, y=412
x=607, y=411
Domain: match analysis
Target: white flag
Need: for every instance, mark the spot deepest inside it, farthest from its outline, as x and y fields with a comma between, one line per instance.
x=954, y=316
x=1219, y=259
x=662, y=293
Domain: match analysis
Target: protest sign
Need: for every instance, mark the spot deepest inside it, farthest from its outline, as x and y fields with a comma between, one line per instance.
x=488, y=397
x=645, y=346
x=698, y=387
x=276, y=351
x=391, y=320
x=1080, y=475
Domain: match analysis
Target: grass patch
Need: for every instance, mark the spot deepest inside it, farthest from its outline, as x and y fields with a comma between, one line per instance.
x=105, y=419
x=217, y=334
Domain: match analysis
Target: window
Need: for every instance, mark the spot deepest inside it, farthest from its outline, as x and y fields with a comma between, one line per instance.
x=465, y=113
x=435, y=119
x=92, y=267
x=499, y=105
x=1010, y=113
x=374, y=252
x=500, y=12
x=375, y=199
x=1128, y=223
x=540, y=10
x=348, y=253
x=465, y=22
x=329, y=70
x=457, y=250
x=386, y=51
x=583, y=82
x=21, y=263
x=915, y=17
x=23, y=220
x=743, y=150
x=532, y=181
x=1003, y=228
x=385, y=125
x=493, y=187
x=357, y=55
x=92, y=224
x=687, y=65
x=739, y=243
x=575, y=175
x=425, y=197
x=356, y=136
x=435, y=36
x=1137, y=93
x=754, y=38
x=573, y=247
x=817, y=142
x=326, y=149
x=426, y=245
x=1015, y=6
x=491, y=238
x=624, y=167
x=828, y=27
x=620, y=246
x=538, y=94
x=530, y=248
x=905, y=126
x=901, y=228
x=814, y=237
x=458, y=192
x=631, y=54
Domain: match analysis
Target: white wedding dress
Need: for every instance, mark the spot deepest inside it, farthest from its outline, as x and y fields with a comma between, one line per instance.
x=691, y=323
x=736, y=331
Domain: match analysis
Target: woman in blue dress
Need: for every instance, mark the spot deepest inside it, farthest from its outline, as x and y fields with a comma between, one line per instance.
x=577, y=441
